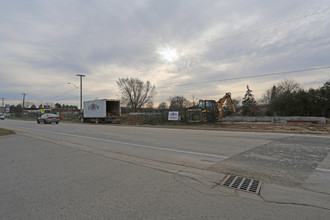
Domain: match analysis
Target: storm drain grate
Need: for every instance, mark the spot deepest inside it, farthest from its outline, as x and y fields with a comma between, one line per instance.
x=241, y=183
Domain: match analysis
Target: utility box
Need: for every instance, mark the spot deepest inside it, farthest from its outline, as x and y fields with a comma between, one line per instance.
x=102, y=110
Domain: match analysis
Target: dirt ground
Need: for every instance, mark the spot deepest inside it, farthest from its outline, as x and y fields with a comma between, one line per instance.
x=314, y=129
x=278, y=127
x=5, y=132
x=295, y=128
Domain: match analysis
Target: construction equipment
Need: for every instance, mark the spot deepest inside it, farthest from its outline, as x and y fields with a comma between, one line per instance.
x=209, y=110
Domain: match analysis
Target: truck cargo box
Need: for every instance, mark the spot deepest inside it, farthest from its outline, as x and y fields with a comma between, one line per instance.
x=102, y=110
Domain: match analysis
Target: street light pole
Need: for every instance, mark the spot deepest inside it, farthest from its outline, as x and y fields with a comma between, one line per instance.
x=3, y=102
x=81, y=76
x=77, y=87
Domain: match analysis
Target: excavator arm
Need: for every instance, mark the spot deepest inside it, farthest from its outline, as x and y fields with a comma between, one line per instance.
x=219, y=104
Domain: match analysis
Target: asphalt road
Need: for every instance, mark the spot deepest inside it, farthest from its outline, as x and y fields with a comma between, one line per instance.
x=86, y=171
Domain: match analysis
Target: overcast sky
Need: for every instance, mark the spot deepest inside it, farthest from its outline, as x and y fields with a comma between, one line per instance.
x=203, y=48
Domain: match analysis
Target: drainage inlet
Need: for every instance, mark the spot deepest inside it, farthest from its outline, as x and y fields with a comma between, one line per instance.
x=241, y=183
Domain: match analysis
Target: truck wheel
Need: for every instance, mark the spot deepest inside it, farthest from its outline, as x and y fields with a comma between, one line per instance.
x=205, y=117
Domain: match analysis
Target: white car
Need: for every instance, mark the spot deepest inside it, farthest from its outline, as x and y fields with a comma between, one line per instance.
x=48, y=119
x=2, y=117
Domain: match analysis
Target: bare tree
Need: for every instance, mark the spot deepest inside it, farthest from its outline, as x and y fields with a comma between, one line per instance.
x=178, y=102
x=235, y=102
x=287, y=85
x=149, y=105
x=135, y=93
x=269, y=95
x=279, y=98
x=162, y=106
x=284, y=86
x=194, y=99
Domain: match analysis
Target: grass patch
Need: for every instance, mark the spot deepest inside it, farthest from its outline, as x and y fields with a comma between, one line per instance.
x=6, y=132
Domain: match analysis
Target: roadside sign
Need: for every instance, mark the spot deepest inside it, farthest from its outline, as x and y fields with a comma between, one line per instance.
x=7, y=108
x=173, y=116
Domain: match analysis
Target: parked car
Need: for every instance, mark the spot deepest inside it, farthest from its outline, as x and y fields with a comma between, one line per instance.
x=2, y=117
x=48, y=119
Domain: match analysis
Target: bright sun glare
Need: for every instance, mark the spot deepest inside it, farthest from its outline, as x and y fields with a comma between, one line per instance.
x=168, y=54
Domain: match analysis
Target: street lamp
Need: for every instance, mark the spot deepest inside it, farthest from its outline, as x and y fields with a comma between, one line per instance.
x=73, y=85
x=81, y=76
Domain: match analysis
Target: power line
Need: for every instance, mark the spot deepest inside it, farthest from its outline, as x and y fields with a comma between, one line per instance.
x=62, y=94
x=267, y=26
x=252, y=76
x=282, y=47
x=272, y=50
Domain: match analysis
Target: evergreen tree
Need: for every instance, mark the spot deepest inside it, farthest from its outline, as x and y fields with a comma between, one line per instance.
x=273, y=93
x=325, y=99
x=58, y=105
x=249, y=103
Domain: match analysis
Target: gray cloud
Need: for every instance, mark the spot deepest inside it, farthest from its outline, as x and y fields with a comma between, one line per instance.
x=210, y=40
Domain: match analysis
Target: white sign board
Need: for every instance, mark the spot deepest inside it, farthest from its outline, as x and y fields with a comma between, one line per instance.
x=173, y=116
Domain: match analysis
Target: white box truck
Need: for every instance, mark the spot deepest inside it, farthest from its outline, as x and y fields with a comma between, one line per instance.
x=102, y=110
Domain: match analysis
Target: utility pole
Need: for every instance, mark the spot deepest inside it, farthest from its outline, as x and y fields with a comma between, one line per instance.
x=81, y=76
x=3, y=105
x=24, y=94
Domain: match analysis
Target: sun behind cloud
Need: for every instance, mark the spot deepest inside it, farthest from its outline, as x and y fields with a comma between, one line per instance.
x=168, y=54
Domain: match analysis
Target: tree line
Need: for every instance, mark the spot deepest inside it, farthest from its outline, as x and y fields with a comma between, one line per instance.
x=19, y=108
x=286, y=98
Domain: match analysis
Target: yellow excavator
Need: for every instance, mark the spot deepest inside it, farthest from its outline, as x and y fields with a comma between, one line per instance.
x=209, y=110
